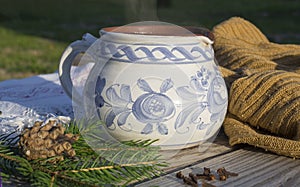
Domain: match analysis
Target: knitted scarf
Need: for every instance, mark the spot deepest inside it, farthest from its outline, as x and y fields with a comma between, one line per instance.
x=263, y=80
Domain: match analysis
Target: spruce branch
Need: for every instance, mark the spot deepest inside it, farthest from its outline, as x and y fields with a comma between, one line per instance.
x=110, y=162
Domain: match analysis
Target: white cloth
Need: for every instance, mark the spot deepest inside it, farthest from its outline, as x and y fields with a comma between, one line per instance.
x=23, y=101
x=26, y=100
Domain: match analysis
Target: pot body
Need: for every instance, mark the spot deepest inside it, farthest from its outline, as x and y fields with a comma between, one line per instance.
x=157, y=87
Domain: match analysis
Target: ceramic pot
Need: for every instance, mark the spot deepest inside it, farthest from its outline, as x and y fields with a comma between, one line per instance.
x=148, y=83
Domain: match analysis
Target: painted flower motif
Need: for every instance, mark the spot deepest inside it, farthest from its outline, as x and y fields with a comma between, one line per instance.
x=154, y=108
x=200, y=81
x=151, y=108
x=195, y=94
x=207, y=90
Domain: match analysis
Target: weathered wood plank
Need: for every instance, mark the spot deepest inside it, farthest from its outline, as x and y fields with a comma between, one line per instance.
x=185, y=157
x=255, y=168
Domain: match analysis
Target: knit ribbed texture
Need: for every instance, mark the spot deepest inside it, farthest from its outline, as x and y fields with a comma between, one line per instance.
x=264, y=83
x=239, y=45
x=239, y=132
x=269, y=100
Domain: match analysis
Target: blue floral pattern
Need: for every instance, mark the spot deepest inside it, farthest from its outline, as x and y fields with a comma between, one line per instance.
x=151, y=108
x=206, y=92
x=154, y=108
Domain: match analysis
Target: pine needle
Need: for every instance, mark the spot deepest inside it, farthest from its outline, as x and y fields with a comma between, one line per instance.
x=110, y=163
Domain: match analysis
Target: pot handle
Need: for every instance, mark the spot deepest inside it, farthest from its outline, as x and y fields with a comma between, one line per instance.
x=66, y=61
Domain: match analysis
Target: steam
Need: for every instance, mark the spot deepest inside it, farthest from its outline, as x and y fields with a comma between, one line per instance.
x=141, y=10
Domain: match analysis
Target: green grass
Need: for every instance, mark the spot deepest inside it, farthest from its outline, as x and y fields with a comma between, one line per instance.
x=25, y=54
x=34, y=33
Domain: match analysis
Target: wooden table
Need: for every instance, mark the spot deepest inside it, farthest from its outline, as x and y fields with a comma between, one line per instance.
x=255, y=167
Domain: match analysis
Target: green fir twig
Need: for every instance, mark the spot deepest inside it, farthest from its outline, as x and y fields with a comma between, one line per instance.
x=110, y=163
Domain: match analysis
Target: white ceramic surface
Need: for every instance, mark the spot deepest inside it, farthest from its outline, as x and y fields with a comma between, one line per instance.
x=149, y=86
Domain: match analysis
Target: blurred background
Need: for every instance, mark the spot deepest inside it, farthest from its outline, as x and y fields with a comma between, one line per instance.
x=34, y=33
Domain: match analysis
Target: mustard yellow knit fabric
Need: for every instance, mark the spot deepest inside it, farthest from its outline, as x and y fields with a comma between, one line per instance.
x=263, y=80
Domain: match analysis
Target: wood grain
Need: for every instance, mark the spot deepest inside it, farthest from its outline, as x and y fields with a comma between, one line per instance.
x=255, y=168
x=178, y=159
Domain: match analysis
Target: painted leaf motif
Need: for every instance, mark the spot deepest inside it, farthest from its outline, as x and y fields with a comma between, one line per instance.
x=202, y=126
x=183, y=115
x=218, y=93
x=99, y=101
x=219, y=98
x=196, y=114
x=143, y=85
x=125, y=93
x=123, y=117
x=162, y=129
x=119, y=110
x=184, y=93
x=113, y=97
x=109, y=119
x=147, y=129
x=218, y=116
x=214, y=117
x=210, y=129
x=100, y=85
x=166, y=85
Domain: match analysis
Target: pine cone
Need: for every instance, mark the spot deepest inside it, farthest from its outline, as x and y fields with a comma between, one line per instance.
x=48, y=140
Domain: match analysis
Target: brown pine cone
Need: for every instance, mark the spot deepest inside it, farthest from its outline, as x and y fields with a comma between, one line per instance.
x=48, y=140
